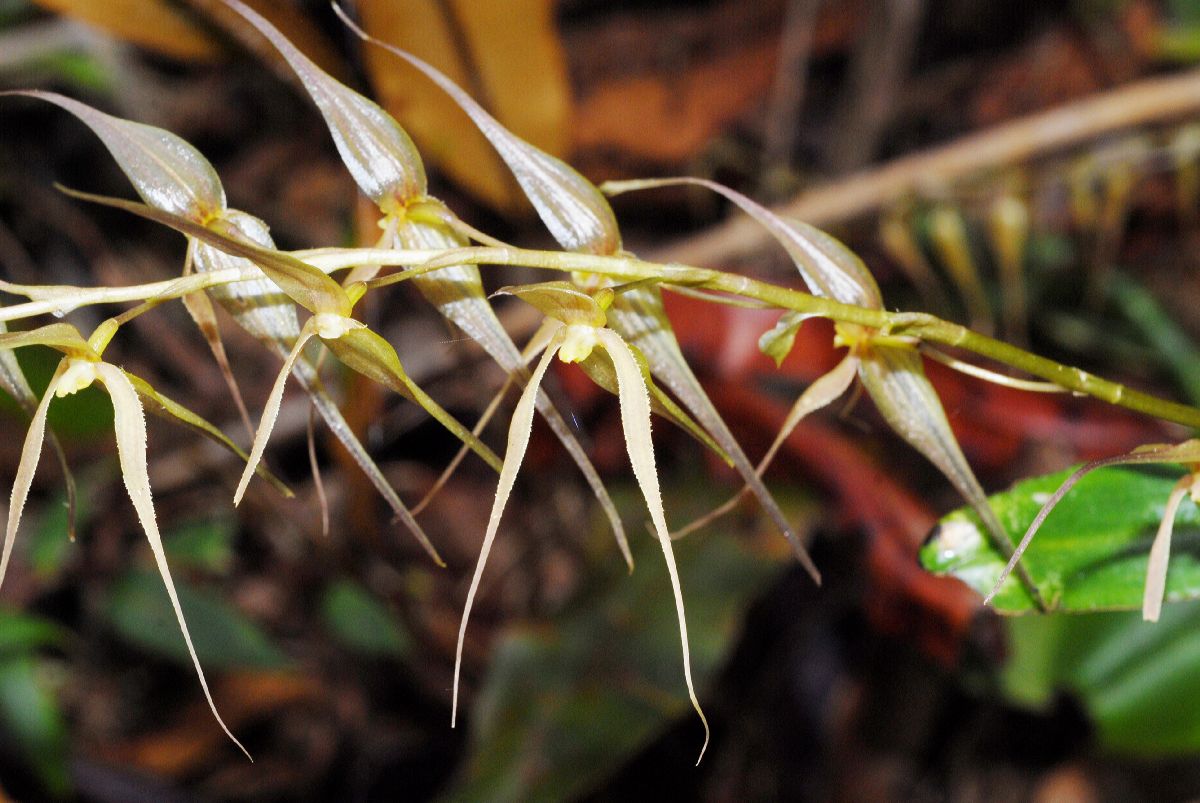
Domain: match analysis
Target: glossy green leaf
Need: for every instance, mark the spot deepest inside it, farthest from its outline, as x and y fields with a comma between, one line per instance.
x=1090, y=553
x=563, y=706
x=224, y=637
x=1139, y=682
x=362, y=622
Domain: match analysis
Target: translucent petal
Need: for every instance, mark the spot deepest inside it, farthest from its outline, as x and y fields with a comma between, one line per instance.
x=577, y=215
x=635, y=420
x=639, y=316
x=1160, y=553
x=895, y=379
x=166, y=171
x=829, y=268
x=375, y=149
x=518, y=441
x=13, y=382
x=31, y=452
x=819, y=394
x=130, y=425
x=457, y=292
x=270, y=413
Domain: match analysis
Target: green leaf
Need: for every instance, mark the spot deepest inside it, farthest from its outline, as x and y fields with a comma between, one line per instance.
x=23, y=633
x=205, y=544
x=563, y=706
x=34, y=719
x=1138, y=681
x=224, y=637
x=362, y=622
x=1091, y=552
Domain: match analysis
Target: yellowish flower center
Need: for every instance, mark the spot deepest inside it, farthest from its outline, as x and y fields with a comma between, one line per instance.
x=578, y=343
x=79, y=375
x=331, y=326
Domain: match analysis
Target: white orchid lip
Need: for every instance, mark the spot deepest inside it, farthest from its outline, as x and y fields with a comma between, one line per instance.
x=80, y=374
x=331, y=326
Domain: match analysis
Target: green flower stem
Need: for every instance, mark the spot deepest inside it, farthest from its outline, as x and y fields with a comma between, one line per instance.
x=622, y=268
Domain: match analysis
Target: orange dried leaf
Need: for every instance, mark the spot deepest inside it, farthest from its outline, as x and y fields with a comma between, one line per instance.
x=506, y=54
x=154, y=24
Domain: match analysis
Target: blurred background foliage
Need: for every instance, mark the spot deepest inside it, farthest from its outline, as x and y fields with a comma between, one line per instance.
x=332, y=654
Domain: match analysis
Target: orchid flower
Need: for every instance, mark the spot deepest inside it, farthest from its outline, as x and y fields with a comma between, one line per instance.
x=81, y=366
x=1186, y=453
x=580, y=219
x=183, y=190
x=576, y=328
x=890, y=368
x=385, y=164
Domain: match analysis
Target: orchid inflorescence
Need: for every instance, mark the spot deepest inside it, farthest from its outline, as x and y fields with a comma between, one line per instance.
x=608, y=317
